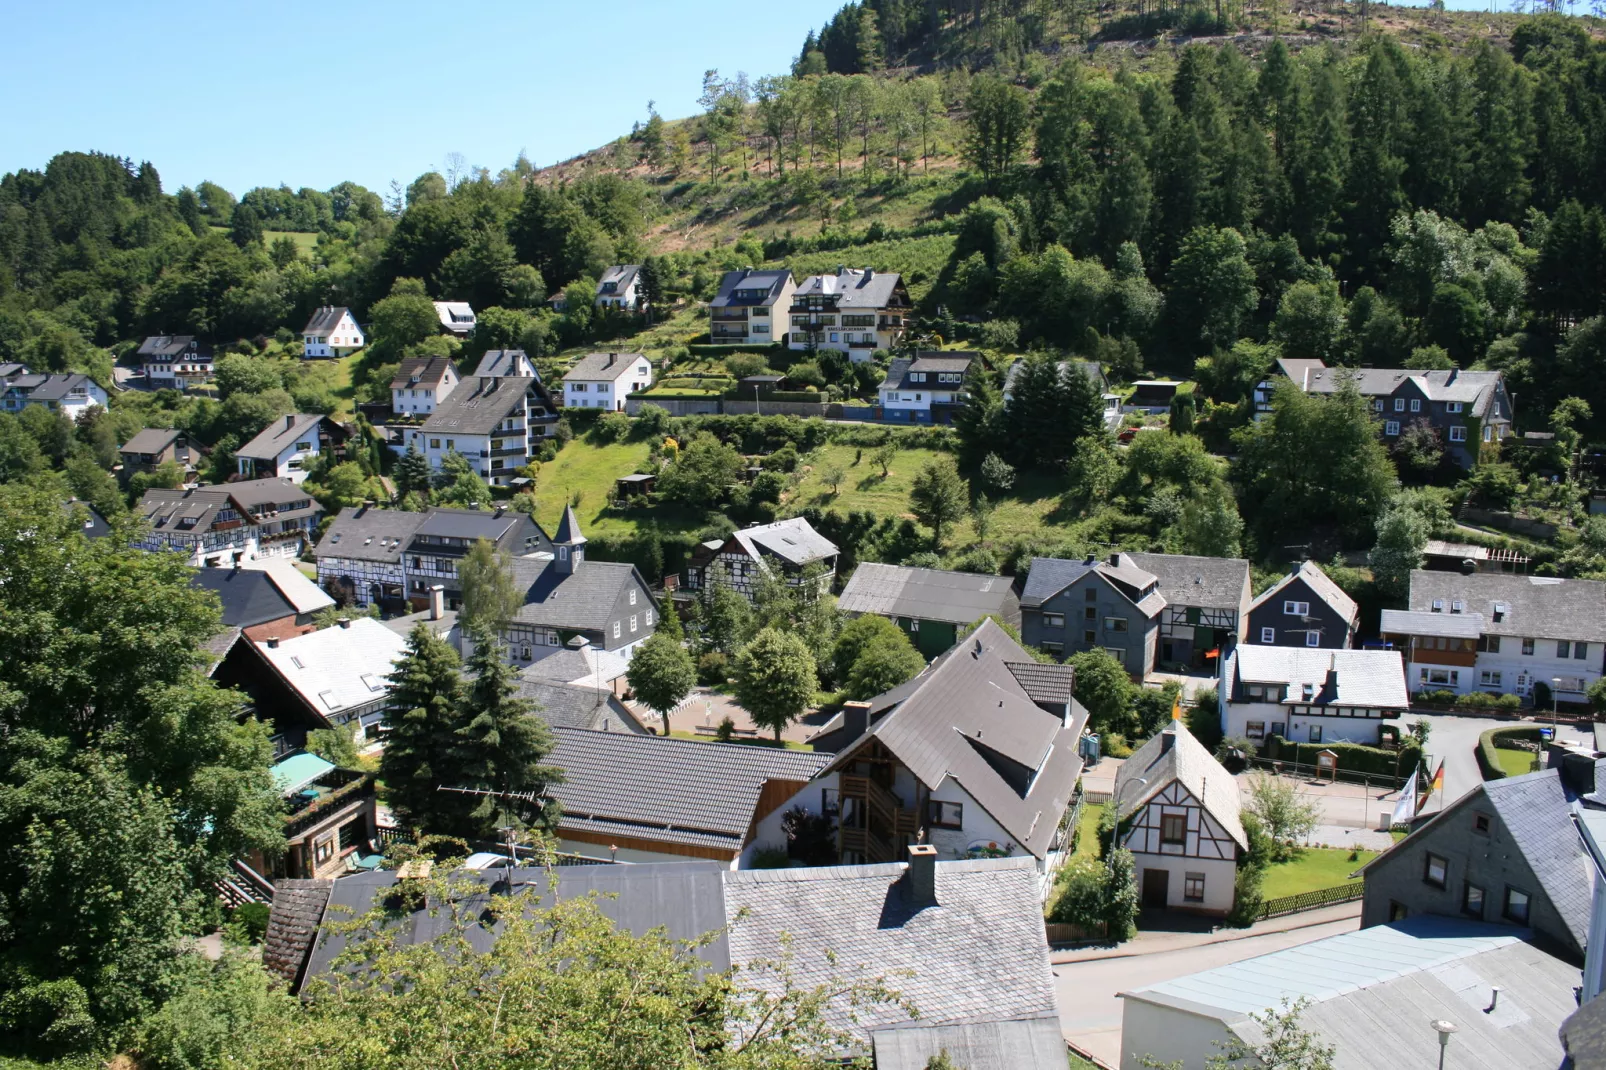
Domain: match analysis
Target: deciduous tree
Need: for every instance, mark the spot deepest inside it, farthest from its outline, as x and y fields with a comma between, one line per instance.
x=775, y=679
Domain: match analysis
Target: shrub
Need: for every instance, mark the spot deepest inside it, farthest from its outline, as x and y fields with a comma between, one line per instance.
x=1116, y=746
x=782, y=460
x=652, y=422
x=1477, y=700
x=252, y=919
x=1352, y=757
x=980, y=560
x=1504, y=736
x=809, y=837
x=771, y=858
x=713, y=669
x=614, y=427
x=1247, y=897
x=1091, y=894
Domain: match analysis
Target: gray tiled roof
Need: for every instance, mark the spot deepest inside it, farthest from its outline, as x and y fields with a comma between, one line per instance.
x=151, y=440
x=855, y=288
x=363, y=533
x=421, y=371
x=1054, y=683
x=1412, y=622
x=584, y=599
x=1535, y=810
x=931, y=364
x=297, y=912
x=164, y=508
x=1534, y=606
x=1373, y=678
x=1011, y=1044
x=772, y=282
x=1048, y=576
x=653, y=787
x=600, y=367
x=477, y=406
x=280, y=435
x=324, y=319
x=505, y=362
x=927, y=594
x=249, y=597
x=1187, y=761
x=967, y=703
x=621, y=275
x=563, y=706
x=1320, y=586
x=794, y=541
x=1205, y=582
x=1470, y=388
x=980, y=953
x=165, y=345
x=52, y=387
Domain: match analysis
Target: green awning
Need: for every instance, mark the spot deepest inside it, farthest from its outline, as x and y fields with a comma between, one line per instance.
x=297, y=771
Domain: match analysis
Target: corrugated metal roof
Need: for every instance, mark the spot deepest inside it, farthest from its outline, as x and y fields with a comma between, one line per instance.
x=927, y=594
x=297, y=771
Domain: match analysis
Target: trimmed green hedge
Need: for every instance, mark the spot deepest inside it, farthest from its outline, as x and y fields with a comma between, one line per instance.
x=1352, y=757
x=1496, y=737
x=709, y=350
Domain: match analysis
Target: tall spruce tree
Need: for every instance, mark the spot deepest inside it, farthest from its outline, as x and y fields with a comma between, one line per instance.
x=426, y=688
x=500, y=746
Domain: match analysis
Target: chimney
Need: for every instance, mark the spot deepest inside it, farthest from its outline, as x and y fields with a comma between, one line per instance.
x=869, y=273
x=273, y=643
x=1115, y=558
x=920, y=880
x=437, y=602
x=1167, y=741
x=289, y=421
x=500, y=509
x=344, y=622
x=855, y=719
x=1331, y=686
x=611, y=358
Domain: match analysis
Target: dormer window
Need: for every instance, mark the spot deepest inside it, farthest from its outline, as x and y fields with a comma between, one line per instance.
x=1438, y=605
x=1457, y=606
x=1499, y=612
x=1307, y=691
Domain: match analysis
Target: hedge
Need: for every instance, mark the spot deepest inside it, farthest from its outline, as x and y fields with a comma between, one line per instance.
x=706, y=350
x=1354, y=757
x=1497, y=737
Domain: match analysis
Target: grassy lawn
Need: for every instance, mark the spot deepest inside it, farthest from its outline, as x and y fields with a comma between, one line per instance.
x=1315, y=868
x=1087, y=835
x=306, y=240
x=1514, y=762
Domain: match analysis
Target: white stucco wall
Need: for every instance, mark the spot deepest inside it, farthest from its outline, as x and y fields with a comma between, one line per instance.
x=768, y=834
x=1167, y=1035
x=1334, y=729
x=1219, y=877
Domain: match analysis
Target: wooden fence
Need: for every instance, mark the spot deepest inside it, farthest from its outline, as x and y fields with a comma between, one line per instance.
x=1293, y=904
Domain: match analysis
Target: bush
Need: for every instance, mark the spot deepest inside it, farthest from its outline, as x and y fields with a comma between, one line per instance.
x=1234, y=752
x=252, y=919
x=1352, y=757
x=1116, y=746
x=1204, y=718
x=713, y=669
x=1093, y=895
x=1504, y=736
x=614, y=427
x=809, y=837
x=652, y=422
x=782, y=460
x=1247, y=897
x=771, y=858
x=980, y=560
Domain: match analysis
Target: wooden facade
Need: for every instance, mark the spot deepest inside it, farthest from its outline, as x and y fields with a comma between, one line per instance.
x=874, y=823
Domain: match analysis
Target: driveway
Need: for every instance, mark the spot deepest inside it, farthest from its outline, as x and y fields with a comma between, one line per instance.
x=1454, y=739
x=705, y=706
x=1088, y=991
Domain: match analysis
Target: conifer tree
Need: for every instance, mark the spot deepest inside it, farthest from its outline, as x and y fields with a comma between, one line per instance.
x=500, y=745
x=426, y=688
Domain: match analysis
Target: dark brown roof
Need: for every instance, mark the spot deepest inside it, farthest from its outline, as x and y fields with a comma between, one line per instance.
x=293, y=926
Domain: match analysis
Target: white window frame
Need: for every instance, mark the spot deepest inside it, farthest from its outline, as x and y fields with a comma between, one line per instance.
x=1268, y=635
x=1296, y=609
x=1399, y=404
x=1313, y=638
x=616, y=629
x=1452, y=406
x=1416, y=404
x=1391, y=428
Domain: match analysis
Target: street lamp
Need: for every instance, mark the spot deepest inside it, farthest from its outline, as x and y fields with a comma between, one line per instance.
x=1444, y=1029
x=1555, y=701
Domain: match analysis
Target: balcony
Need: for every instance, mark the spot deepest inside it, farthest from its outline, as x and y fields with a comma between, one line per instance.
x=720, y=315
x=329, y=794
x=863, y=345
x=509, y=451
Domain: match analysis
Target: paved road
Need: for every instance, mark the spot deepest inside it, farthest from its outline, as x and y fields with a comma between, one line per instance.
x=1455, y=740
x=1090, y=1008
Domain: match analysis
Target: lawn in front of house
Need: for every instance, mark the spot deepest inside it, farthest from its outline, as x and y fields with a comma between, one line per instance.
x=1087, y=832
x=1514, y=762
x=1313, y=869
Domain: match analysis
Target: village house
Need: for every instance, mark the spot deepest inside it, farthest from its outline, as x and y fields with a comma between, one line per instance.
x=456, y=318
x=925, y=388
x=1374, y=997
x=71, y=394
x=1507, y=852
x=437, y=544
x=331, y=332
x=979, y=752
x=154, y=447
x=1180, y=816
x=1464, y=408
x=750, y=306
x=1501, y=633
x=330, y=824
x=268, y=599
x=1072, y=606
x=1304, y=608
x=605, y=380
x=540, y=409
x=578, y=664
x=605, y=604
x=576, y=705
x=855, y=311
x=1207, y=601
x=484, y=420
x=241, y=521
x=787, y=550
x=421, y=383
x=935, y=608
x=287, y=448
x=339, y=675
x=1311, y=696
x=360, y=557
x=175, y=362
x=620, y=288
x=507, y=364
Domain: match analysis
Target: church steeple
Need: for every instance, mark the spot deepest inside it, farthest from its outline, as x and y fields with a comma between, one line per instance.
x=569, y=543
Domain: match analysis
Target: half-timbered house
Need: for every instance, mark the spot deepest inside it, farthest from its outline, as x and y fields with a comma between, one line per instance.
x=1207, y=603
x=787, y=550
x=1180, y=818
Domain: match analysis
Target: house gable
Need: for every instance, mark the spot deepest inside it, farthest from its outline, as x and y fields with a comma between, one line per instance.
x=1203, y=835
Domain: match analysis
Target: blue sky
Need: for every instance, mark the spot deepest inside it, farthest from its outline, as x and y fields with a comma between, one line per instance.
x=254, y=93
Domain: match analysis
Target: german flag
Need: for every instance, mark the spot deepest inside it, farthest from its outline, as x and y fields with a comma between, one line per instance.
x=1438, y=779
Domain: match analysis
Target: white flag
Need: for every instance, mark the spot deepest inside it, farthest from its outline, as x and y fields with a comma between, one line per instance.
x=1405, y=809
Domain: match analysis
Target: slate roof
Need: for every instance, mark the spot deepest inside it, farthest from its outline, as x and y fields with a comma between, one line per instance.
x=931, y=364
x=51, y=387
x=1187, y=761
x=685, y=898
x=1204, y=582
x=1013, y=1044
x=583, y=599
x=151, y=440
x=95, y=525
x=980, y=953
x=1048, y=576
x=586, y=667
x=794, y=541
x=674, y=790
x=421, y=371
x=1533, y=606
x=325, y=319
x=168, y=346
x=1583, y=1035
x=505, y=363
x=338, y=668
x=928, y=594
x=292, y=583
x=259, y=498
x=1320, y=586
x=1089, y=368
x=602, y=367
x=476, y=406
x=568, y=706
x=1535, y=810
x=1374, y=678
x=1375, y=990
x=621, y=275
x=1476, y=388
x=249, y=597
x=363, y=533
x=967, y=706
x=1411, y=622
x=854, y=288
x=298, y=907
x=772, y=282
x=471, y=524
x=568, y=532
x=280, y=435
x=455, y=316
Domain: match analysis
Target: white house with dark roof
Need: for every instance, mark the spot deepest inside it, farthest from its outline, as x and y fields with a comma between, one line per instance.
x=925, y=388
x=286, y=448
x=488, y=421
x=1304, y=608
x=331, y=332
x=340, y=674
x=605, y=380
x=1311, y=696
x=935, y=608
x=1180, y=815
x=786, y=550
x=456, y=317
x=361, y=555
x=71, y=393
x=750, y=307
x=979, y=751
x=217, y=525
x=620, y=288
x=1502, y=633
x=506, y=363
x=420, y=384
x=1207, y=602
x=855, y=311
x=176, y=361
